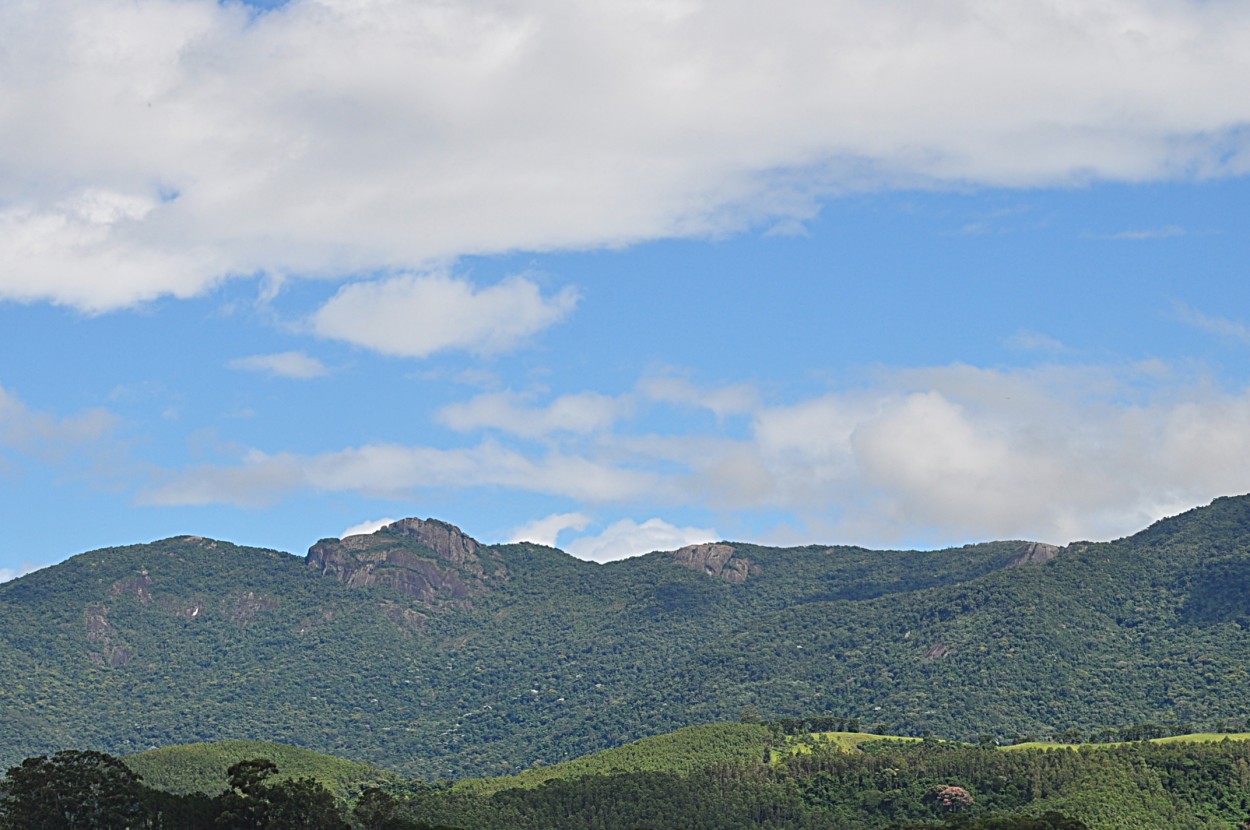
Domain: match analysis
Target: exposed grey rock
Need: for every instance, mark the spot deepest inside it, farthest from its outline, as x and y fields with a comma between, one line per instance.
x=432, y=561
x=447, y=540
x=1035, y=553
x=716, y=559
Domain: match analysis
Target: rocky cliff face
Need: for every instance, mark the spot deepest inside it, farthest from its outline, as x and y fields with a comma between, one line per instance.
x=716, y=560
x=432, y=561
x=447, y=540
x=1035, y=553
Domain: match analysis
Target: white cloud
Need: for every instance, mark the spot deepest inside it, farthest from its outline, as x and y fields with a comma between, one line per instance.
x=7, y=574
x=47, y=436
x=626, y=538
x=366, y=527
x=1220, y=326
x=722, y=400
x=547, y=530
x=417, y=315
x=590, y=413
x=582, y=413
x=929, y=455
x=964, y=453
x=395, y=471
x=282, y=364
x=93, y=251
x=155, y=148
x=1028, y=340
x=1166, y=232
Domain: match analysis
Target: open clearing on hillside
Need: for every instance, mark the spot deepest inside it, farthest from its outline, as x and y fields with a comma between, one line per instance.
x=1192, y=738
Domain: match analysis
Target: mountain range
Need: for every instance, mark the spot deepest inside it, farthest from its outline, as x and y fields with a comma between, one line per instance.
x=420, y=650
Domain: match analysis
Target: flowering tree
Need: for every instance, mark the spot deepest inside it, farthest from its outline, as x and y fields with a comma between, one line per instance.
x=949, y=799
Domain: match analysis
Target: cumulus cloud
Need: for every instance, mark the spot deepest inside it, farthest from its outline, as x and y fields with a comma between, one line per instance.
x=94, y=250
x=919, y=456
x=155, y=148
x=965, y=453
x=282, y=364
x=547, y=530
x=417, y=315
x=366, y=527
x=626, y=538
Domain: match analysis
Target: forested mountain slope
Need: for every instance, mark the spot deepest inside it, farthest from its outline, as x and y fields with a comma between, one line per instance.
x=419, y=650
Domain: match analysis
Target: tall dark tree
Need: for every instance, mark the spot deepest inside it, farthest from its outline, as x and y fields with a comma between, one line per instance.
x=245, y=805
x=303, y=804
x=253, y=803
x=72, y=790
x=376, y=810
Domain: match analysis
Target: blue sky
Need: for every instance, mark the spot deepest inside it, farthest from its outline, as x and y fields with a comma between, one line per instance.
x=619, y=277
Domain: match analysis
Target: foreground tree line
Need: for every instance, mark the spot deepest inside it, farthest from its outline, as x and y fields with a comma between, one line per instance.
x=884, y=786
x=85, y=790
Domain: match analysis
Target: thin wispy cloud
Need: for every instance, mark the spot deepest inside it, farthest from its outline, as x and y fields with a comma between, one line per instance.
x=396, y=471
x=1028, y=340
x=1165, y=232
x=7, y=574
x=1223, y=327
x=295, y=365
x=48, y=436
x=1053, y=453
x=581, y=413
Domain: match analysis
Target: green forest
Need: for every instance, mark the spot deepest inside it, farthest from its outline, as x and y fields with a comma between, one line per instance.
x=523, y=655
x=1003, y=684
x=703, y=778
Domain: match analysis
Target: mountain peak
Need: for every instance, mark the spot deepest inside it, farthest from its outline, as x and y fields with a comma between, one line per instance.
x=432, y=561
x=444, y=538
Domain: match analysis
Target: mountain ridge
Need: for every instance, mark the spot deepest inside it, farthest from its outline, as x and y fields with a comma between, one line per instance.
x=519, y=653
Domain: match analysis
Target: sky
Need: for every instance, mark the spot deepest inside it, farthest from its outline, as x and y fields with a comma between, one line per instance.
x=620, y=276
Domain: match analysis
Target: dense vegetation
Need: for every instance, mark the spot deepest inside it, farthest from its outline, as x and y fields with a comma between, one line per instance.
x=699, y=778
x=204, y=767
x=886, y=784
x=189, y=639
x=75, y=790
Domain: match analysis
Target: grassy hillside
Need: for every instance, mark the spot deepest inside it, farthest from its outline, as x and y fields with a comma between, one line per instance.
x=856, y=782
x=845, y=741
x=536, y=658
x=201, y=768
x=684, y=751
x=1188, y=738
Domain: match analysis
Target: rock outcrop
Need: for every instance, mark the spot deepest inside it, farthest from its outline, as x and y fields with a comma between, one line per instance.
x=1035, y=553
x=447, y=540
x=434, y=562
x=716, y=559
x=107, y=646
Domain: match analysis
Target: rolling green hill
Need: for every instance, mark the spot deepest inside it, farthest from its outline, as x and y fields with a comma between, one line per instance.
x=755, y=777
x=716, y=777
x=682, y=752
x=201, y=768
x=416, y=649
